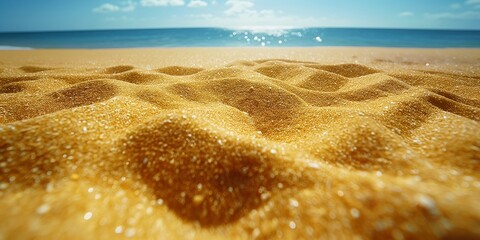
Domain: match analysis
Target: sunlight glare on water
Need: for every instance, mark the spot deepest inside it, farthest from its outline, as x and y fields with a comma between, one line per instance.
x=273, y=36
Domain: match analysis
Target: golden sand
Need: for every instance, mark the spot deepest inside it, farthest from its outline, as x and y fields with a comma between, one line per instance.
x=350, y=143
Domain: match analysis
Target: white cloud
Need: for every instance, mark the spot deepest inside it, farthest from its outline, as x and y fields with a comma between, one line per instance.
x=161, y=3
x=242, y=13
x=127, y=6
x=197, y=3
x=244, y=9
x=465, y=15
x=121, y=18
x=405, y=14
x=472, y=2
x=469, y=15
x=272, y=22
x=201, y=16
x=106, y=7
x=455, y=6
x=238, y=7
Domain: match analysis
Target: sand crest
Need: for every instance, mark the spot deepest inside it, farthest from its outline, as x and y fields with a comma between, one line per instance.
x=269, y=148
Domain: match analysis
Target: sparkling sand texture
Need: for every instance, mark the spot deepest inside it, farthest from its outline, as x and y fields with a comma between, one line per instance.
x=240, y=144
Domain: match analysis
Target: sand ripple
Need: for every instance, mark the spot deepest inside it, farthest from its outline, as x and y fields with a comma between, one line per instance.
x=256, y=149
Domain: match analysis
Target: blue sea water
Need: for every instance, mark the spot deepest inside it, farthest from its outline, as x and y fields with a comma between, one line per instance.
x=223, y=37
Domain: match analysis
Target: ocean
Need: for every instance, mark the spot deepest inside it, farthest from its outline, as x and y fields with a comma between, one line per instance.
x=224, y=37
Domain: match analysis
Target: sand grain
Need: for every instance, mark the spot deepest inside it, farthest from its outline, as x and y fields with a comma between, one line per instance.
x=251, y=149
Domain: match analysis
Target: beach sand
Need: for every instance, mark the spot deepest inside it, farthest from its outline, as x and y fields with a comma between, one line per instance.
x=242, y=143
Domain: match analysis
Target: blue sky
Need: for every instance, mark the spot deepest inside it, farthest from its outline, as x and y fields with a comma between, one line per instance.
x=36, y=15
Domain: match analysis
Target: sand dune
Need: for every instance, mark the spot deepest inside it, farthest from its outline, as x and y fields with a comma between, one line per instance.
x=255, y=149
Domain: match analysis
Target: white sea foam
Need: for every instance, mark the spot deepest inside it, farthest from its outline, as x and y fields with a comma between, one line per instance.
x=3, y=47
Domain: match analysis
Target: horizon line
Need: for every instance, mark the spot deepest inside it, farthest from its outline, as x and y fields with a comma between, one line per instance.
x=234, y=28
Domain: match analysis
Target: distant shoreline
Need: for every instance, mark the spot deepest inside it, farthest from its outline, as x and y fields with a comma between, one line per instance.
x=465, y=59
